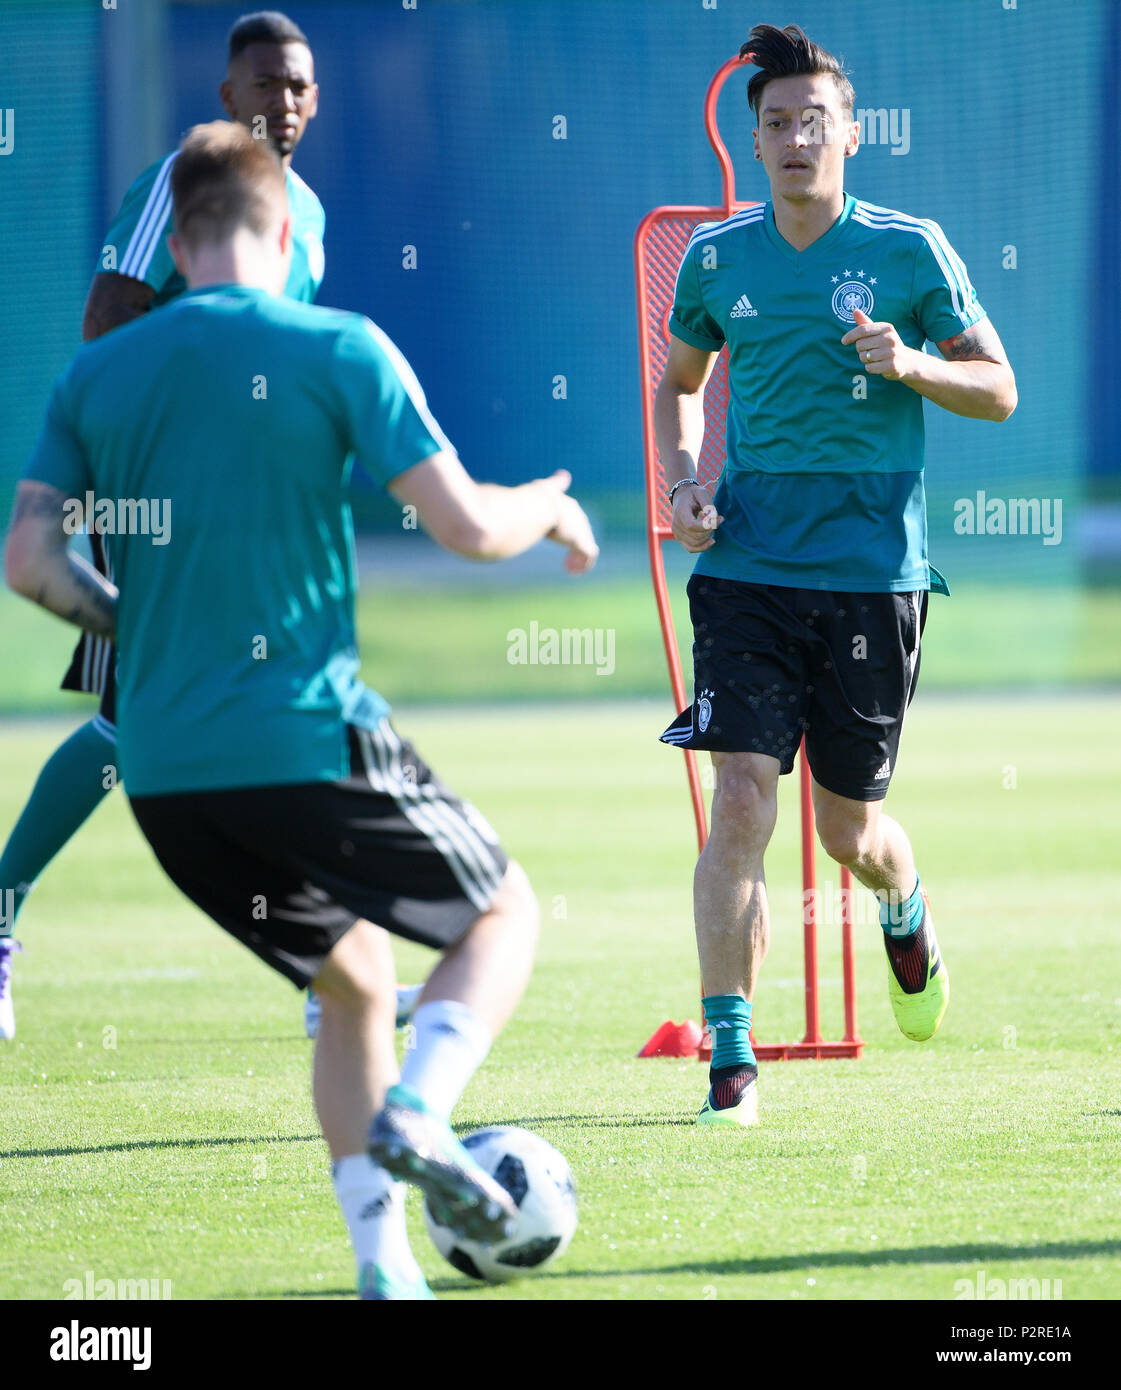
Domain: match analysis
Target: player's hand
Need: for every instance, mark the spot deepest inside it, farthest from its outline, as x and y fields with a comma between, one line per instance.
x=694, y=518
x=882, y=351
x=573, y=529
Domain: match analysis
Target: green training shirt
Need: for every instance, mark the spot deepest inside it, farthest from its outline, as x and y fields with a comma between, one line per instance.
x=220, y=435
x=823, y=484
x=138, y=236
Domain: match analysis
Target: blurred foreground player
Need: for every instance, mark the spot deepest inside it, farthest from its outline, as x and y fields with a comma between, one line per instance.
x=269, y=781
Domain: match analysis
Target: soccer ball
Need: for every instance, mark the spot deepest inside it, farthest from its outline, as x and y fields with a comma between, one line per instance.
x=540, y=1182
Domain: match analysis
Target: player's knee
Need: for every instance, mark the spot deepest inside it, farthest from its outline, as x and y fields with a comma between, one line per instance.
x=845, y=837
x=516, y=899
x=358, y=972
x=745, y=804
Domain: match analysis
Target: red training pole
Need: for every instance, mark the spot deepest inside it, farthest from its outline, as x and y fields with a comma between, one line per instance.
x=809, y=903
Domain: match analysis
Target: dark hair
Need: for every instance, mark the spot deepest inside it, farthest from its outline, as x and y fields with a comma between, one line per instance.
x=789, y=53
x=223, y=179
x=264, y=26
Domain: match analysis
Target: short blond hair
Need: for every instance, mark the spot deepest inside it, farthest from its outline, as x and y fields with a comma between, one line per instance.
x=223, y=179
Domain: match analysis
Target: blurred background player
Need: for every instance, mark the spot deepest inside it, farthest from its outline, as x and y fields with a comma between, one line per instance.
x=269, y=88
x=809, y=593
x=279, y=797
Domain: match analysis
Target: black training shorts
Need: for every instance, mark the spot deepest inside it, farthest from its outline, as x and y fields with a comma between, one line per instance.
x=771, y=664
x=93, y=669
x=289, y=869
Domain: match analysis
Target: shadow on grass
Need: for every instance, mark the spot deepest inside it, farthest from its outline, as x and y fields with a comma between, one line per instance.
x=860, y=1259
x=792, y=1264
x=301, y=1293
x=591, y=1121
x=438, y=1286
x=134, y=1145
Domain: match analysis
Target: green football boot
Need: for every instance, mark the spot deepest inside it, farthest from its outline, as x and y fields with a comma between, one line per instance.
x=918, y=982
x=374, y=1285
x=412, y=1142
x=732, y=1099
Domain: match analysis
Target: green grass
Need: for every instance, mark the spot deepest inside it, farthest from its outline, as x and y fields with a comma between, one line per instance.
x=428, y=642
x=157, y=1120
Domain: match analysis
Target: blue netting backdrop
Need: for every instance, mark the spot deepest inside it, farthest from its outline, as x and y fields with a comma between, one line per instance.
x=436, y=131
x=50, y=207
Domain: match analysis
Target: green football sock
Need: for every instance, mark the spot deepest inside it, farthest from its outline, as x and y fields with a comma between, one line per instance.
x=70, y=788
x=901, y=919
x=729, y=1026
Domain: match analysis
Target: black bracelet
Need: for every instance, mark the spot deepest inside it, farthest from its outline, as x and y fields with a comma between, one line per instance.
x=682, y=482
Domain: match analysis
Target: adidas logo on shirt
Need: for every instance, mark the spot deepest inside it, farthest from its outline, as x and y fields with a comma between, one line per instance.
x=743, y=310
x=885, y=771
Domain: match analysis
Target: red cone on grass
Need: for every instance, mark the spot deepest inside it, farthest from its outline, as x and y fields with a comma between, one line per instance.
x=675, y=1040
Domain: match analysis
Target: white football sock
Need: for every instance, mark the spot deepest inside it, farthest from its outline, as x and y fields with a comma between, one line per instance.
x=373, y=1206
x=449, y=1045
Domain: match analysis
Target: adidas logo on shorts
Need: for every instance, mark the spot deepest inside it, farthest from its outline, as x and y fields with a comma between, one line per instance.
x=742, y=309
x=885, y=771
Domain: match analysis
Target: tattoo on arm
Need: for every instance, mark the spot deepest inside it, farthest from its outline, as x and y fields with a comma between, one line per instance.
x=38, y=501
x=977, y=344
x=91, y=605
x=964, y=346
x=41, y=567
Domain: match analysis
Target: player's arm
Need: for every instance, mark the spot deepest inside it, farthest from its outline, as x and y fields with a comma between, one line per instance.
x=141, y=263
x=484, y=521
x=974, y=380
x=679, y=428
x=38, y=564
x=113, y=300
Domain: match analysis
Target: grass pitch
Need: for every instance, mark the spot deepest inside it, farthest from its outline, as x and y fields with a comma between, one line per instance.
x=435, y=641
x=158, y=1123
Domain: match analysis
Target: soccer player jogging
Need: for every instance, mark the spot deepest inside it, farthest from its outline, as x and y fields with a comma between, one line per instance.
x=279, y=796
x=270, y=88
x=809, y=592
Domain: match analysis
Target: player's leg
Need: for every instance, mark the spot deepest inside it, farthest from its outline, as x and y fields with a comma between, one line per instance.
x=355, y=1064
x=488, y=918
x=750, y=697
x=9, y=949
x=391, y=844
x=470, y=995
x=232, y=854
x=859, y=835
x=733, y=923
x=876, y=849
x=865, y=672
x=355, y=1059
x=463, y=1005
x=465, y=1002
x=70, y=787
x=408, y=997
